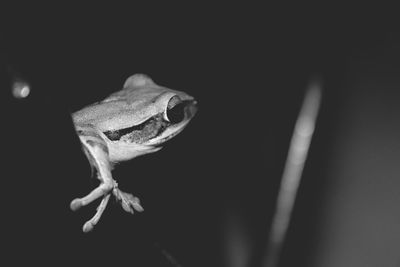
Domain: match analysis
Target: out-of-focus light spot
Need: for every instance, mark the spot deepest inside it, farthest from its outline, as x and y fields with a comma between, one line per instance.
x=21, y=89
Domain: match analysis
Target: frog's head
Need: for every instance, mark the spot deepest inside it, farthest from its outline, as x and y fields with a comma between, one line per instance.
x=148, y=115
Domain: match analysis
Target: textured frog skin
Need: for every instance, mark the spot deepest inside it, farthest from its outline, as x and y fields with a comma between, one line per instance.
x=129, y=123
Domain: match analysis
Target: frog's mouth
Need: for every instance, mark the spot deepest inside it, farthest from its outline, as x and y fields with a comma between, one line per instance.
x=159, y=128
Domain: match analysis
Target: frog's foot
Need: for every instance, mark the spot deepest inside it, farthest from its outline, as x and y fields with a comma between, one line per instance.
x=128, y=201
x=103, y=190
x=89, y=225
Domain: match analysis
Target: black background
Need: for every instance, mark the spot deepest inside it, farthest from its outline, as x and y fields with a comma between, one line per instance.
x=248, y=67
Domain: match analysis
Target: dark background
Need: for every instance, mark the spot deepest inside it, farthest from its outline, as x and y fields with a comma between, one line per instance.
x=210, y=193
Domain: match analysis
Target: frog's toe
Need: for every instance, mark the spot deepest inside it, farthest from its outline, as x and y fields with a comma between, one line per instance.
x=126, y=207
x=88, y=226
x=76, y=204
x=128, y=201
x=133, y=201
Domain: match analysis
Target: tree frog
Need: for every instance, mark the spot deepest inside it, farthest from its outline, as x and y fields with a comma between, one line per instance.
x=131, y=122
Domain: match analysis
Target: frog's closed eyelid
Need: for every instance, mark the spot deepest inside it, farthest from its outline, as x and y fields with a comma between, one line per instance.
x=137, y=80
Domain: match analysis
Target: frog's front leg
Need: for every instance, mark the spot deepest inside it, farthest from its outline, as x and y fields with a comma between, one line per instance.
x=96, y=150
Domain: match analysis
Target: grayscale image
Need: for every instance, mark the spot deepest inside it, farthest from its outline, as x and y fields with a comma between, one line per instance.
x=200, y=134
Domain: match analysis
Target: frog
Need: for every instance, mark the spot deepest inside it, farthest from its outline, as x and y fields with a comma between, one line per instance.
x=134, y=121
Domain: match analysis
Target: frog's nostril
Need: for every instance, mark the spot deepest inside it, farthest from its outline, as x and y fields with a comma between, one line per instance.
x=191, y=109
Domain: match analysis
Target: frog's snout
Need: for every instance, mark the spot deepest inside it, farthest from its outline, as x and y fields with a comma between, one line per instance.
x=191, y=109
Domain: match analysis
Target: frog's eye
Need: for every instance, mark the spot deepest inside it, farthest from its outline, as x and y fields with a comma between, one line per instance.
x=175, y=111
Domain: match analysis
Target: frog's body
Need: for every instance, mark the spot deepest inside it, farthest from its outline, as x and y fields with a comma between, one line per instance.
x=127, y=124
